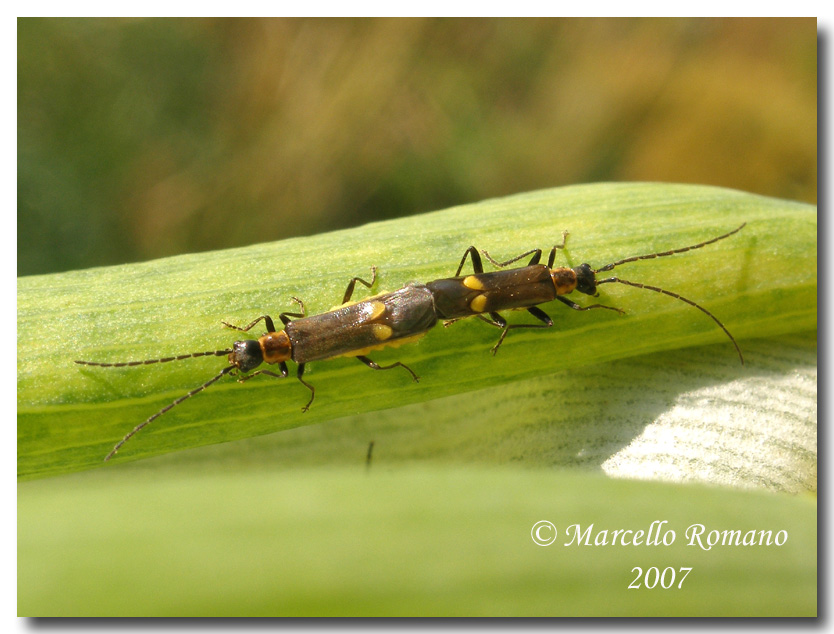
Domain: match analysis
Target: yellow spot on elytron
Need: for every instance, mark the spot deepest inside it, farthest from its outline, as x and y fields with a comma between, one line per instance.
x=473, y=282
x=478, y=304
x=382, y=332
x=377, y=310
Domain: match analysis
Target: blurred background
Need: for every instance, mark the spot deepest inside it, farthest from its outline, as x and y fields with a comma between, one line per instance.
x=143, y=138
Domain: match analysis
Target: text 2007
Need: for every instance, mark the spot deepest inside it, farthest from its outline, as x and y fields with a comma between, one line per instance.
x=654, y=578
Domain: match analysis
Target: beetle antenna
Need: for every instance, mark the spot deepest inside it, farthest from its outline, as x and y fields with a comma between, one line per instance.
x=651, y=256
x=683, y=299
x=138, y=428
x=121, y=364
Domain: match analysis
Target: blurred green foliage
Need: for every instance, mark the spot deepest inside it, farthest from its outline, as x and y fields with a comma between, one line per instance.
x=144, y=138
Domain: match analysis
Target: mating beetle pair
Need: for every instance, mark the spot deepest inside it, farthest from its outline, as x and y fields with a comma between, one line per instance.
x=402, y=316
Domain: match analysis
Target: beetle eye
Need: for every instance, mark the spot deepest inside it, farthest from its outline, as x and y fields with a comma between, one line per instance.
x=585, y=279
x=246, y=355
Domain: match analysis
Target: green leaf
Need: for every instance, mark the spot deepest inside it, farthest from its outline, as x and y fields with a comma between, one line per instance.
x=439, y=522
x=693, y=418
x=761, y=283
x=424, y=541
